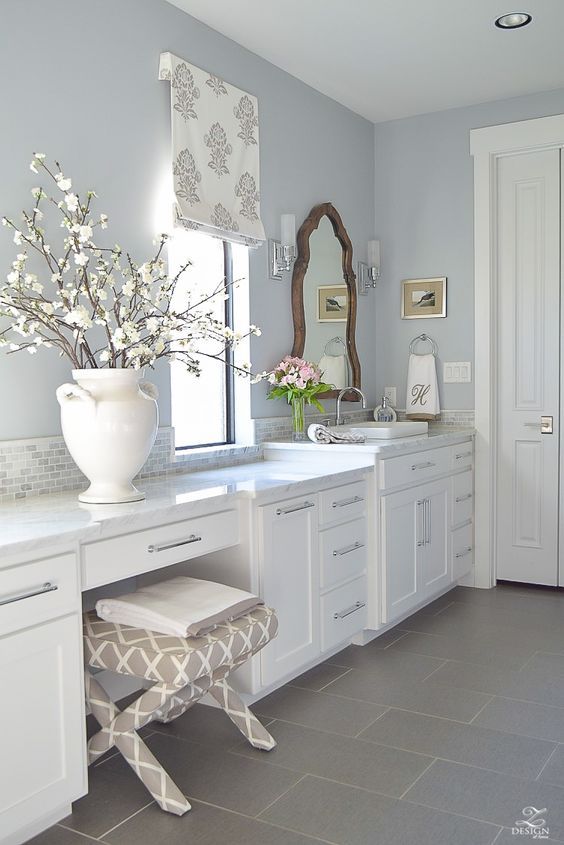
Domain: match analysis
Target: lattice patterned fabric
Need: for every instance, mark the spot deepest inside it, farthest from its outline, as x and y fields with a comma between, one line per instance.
x=175, y=660
x=184, y=670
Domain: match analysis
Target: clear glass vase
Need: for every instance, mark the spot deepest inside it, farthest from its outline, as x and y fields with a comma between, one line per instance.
x=298, y=418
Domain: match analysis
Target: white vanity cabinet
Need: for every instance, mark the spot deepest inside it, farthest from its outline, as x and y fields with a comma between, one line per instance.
x=312, y=556
x=42, y=697
x=415, y=547
x=290, y=583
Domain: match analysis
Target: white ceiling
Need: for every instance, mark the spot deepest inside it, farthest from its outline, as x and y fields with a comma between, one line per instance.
x=386, y=59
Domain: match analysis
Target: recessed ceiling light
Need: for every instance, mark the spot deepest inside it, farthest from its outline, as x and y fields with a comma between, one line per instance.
x=513, y=20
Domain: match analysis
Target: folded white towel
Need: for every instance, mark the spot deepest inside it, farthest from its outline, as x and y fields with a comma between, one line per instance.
x=334, y=369
x=321, y=434
x=422, y=401
x=180, y=607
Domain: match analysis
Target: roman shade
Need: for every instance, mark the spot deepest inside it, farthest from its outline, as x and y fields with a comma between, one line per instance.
x=215, y=153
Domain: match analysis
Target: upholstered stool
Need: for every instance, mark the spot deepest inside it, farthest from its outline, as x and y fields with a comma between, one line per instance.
x=182, y=671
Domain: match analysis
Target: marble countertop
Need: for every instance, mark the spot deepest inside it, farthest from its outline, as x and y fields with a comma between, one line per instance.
x=437, y=436
x=35, y=523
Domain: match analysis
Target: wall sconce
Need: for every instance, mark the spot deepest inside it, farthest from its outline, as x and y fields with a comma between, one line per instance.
x=282, y=253
x=368, y=274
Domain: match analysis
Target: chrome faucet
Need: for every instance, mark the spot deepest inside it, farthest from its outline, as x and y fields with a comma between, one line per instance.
x=338, y=420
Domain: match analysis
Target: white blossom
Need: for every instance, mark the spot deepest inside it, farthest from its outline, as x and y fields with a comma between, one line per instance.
x=79, y=316
x=81, y=259
x=17, y=237
x=63, y=183
x=71, y=202
x=85, y=233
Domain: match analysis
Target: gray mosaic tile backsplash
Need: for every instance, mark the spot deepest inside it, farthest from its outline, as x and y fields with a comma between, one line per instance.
x=43, y=465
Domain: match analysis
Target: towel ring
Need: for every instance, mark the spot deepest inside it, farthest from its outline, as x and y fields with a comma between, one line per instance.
x=425, y=338
x=334, y=340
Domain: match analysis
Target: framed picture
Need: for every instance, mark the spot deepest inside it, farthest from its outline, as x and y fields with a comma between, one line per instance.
x=332, y=303
x=423, y=298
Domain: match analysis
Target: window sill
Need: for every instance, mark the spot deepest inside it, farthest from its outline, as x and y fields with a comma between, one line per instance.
x=209, y=453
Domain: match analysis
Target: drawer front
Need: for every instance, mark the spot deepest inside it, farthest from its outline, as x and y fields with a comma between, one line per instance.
x=462, y=551
x=411, y=469
x=143, y=551
x=343, y=503
x=462, y=455
x=462, y=497
x=343, y=614
x=343, y=553
x=38, y=591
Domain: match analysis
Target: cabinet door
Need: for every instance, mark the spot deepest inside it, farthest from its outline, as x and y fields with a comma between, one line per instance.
x=435, y=573
x=42, y=714
x=402, y=515
x=290, y=584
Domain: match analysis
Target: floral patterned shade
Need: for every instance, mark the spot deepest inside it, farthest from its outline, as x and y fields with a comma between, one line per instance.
x=215, y=148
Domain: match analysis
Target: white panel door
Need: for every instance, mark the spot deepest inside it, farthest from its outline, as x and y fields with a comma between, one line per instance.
x=528, y=265
x=290, y=584
x=435, y=573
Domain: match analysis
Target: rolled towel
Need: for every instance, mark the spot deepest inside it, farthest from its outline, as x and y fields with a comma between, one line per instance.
x=179, y=607
x=318, y=433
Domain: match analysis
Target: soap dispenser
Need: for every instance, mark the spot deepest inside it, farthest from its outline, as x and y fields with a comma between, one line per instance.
x=385, y=412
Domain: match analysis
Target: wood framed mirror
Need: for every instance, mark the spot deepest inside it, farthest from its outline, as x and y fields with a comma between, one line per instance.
x=324, y=298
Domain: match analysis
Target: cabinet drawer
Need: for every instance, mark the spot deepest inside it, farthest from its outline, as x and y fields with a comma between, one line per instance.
x=36, y=592
x=342, y=503
x=462, y=455
x=343, y=553
x=462, y=497
x=411, y=469
x=131, y=554
x=462, y=551
x=343, y=613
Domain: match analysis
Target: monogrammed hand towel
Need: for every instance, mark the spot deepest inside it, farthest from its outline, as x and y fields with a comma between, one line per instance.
x=422, y=400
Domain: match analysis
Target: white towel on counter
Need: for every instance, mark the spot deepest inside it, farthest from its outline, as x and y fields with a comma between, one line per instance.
x=422, y=401
x=334, y=369
x=321, y=434
x=180, y=607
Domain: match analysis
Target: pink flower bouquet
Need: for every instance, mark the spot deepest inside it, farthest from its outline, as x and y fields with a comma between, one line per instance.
x=299, y=382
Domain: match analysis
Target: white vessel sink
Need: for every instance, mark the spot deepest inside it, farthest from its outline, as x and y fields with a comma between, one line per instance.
x=388, y=430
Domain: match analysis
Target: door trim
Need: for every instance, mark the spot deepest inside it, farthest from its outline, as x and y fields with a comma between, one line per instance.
x=487, y=146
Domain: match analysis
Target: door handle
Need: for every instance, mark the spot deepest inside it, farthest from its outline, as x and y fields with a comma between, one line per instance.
x=302, y=507
x=546, y=425
x=420, y=523
x=428, y=525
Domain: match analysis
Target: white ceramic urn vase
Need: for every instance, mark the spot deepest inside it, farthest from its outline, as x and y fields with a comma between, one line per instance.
x=109, y=419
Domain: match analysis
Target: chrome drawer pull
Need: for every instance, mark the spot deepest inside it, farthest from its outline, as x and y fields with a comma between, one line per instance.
x=349, y=610
x=344, y=551
x=424, y=465
x=463, y=455
x=463, y=498
x=284, y=511
x=193, y=538
x=344, y=502
x=464, y=553
x=46, y=588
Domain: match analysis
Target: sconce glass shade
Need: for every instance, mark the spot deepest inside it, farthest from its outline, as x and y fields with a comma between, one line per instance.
x=288, y=230
x=374, y=254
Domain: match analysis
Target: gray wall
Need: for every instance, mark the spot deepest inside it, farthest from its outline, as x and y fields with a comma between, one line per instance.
x=78, y=81
x=424, y=217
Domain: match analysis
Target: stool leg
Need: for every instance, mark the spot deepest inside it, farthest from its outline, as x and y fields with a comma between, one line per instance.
x=148, y=769
x=241, y=716
x=119, y=729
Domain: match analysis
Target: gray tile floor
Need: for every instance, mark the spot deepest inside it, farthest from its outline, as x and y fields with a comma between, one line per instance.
x=440, y=732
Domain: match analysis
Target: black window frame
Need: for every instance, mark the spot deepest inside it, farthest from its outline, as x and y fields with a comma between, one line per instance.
x=229, y=375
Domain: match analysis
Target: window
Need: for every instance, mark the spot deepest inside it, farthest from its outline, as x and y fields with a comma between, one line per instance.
x=203, y=408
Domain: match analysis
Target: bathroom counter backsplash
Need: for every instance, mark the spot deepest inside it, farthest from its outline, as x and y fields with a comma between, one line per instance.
x=43, y=465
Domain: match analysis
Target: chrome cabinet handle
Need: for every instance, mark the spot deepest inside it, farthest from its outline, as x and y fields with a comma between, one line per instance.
x=302, y=507
x=420, y=524
x=546, y=425
x=344, y=502
x=347, y=612
x=466, y=551
x=463, y=498
x=193, y=538
x=429, y=522
x=39, y=591
x=346, y=549
x=463, y=455
x=423, y=465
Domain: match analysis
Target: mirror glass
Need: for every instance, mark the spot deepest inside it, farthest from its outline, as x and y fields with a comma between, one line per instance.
x=324, y=298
